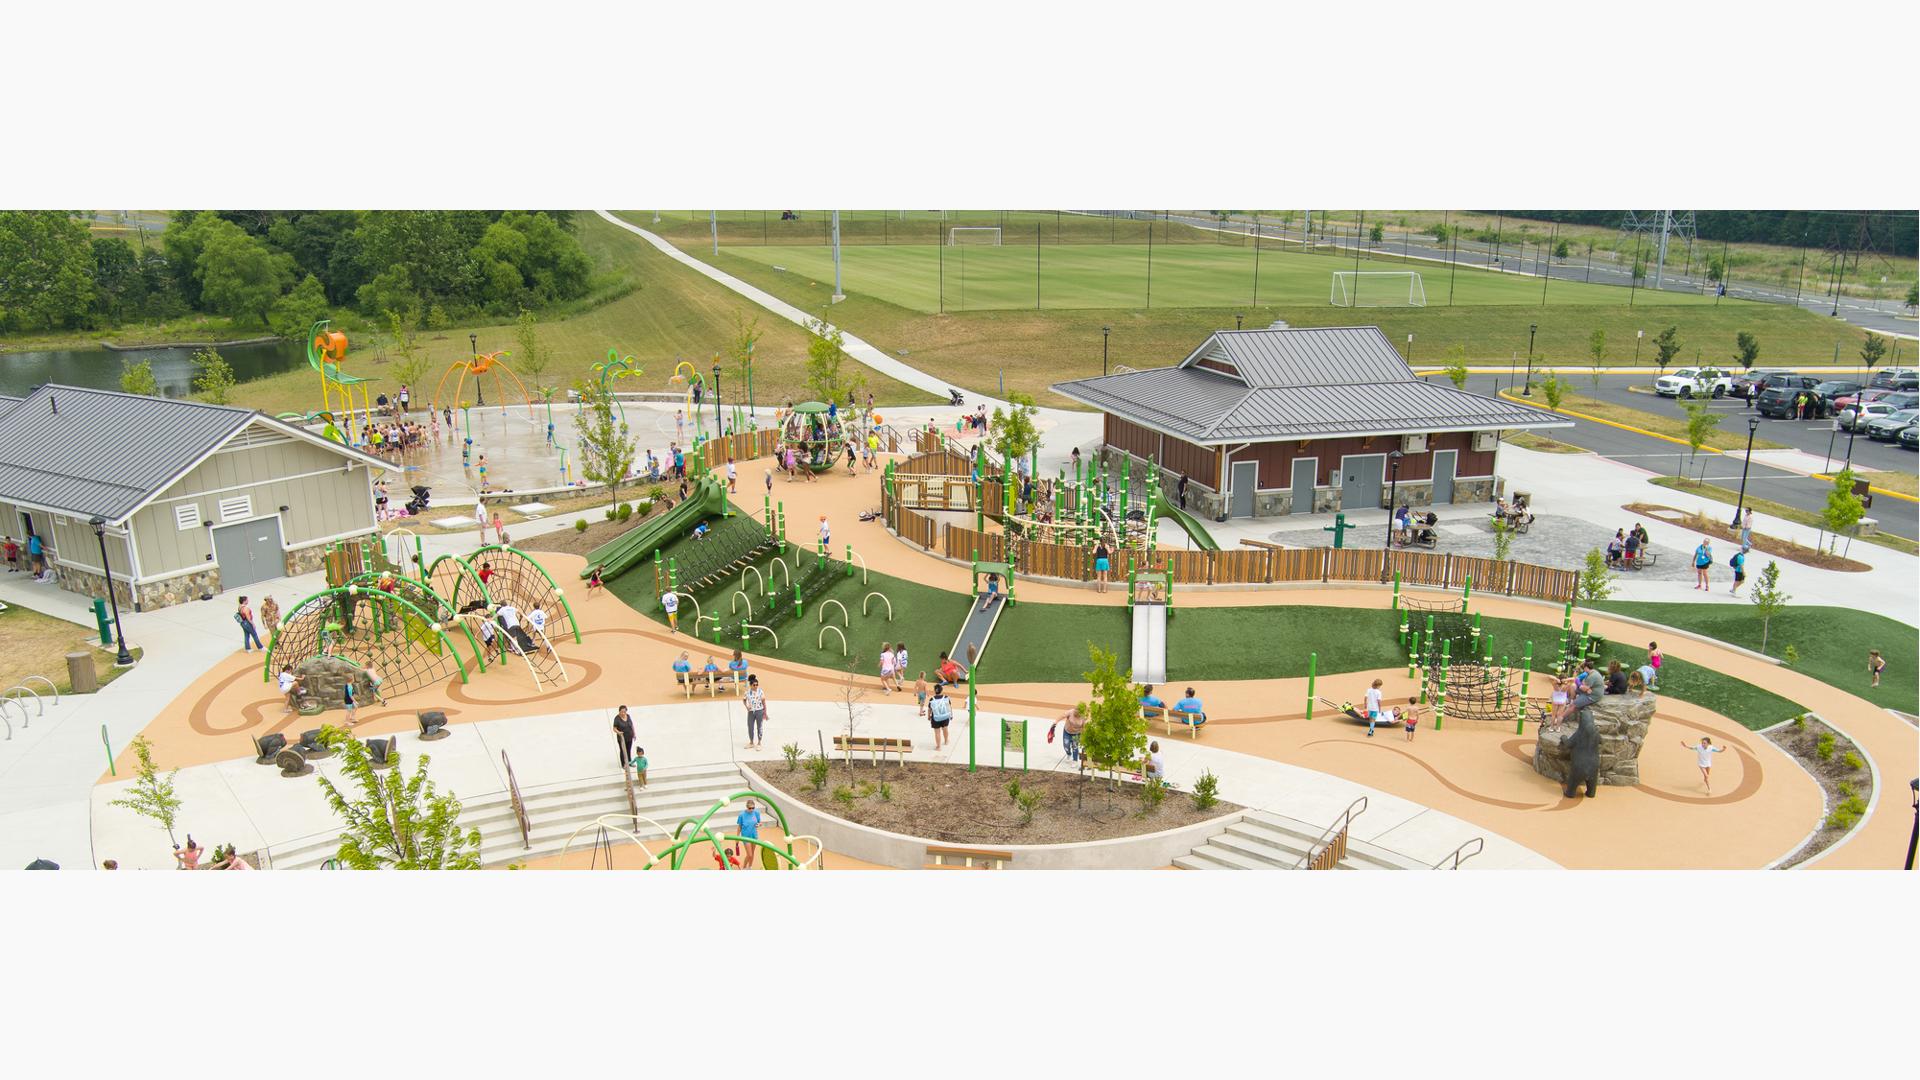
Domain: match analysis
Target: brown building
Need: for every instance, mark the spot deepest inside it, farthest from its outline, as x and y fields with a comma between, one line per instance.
x=1293, y=421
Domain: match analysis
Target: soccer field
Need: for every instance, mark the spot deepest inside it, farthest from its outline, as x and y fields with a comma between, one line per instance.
x=980, y=277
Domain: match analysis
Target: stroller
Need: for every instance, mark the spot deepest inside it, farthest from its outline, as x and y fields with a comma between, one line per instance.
x=955, y=398
x=419, y=500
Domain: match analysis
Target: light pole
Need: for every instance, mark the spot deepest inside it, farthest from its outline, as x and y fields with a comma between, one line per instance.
x=1638, y=336
x=1105, y=332
x=1753, y=425
x=1393, y=490
x=719, y=428
x=1532, y=329
x=1913, y=838
x=479, y=391
x=752, y=414
x=124, y=658
x=1236, y=320
x=1409, y=348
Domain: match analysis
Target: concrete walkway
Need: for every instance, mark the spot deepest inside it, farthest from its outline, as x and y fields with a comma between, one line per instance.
x=252, y=806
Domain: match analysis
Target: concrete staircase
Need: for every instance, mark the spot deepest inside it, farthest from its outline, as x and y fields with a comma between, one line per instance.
x=554, y=811
x=1263, y=841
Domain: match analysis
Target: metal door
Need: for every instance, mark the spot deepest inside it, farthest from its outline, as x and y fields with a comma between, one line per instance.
x=1444, y=464
x=1363, y=478
x=249, y=552
x=1303, y=475
x=1246, y=477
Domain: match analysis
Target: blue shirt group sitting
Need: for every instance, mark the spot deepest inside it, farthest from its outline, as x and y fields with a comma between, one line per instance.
x=1149, y=700
x=1192, y=711
x=680, y=668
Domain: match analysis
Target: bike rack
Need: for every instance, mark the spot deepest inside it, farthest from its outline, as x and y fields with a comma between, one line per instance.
x=24, y=722
x=14, y=691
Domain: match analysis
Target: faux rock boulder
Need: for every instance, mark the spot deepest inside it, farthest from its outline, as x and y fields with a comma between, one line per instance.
x=325, y=678
x=1620, y=724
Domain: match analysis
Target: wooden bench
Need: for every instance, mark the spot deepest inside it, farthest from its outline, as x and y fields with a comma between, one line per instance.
x=960, y=858
x=1170, y=717
x=876, y=745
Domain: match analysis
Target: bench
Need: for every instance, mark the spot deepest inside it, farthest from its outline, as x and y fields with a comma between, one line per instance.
x=876, y=745
x=1170, y=717
x=961, y=858
x=1642, y=561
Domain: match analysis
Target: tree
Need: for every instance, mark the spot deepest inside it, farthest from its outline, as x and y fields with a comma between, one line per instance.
x=138, y=379
x=1701, y=421
x=1375, y=233
x=1667, y=346
x=1746, y=349
x=1596, y=579
x=532, y=358
x=1560, y=250
x=1116, y=733
x=1441, y=232
x=119, y=290
x=1554, y=389
x=1844, y=509
x=212, y=376
x=46, y=270
x=1014, y=435
x=746, y=332
x=1502, y=540
x=152, y=794
x=826, y=355
x=1716, y=268
x=295, y=312
x=240, y=275
x=1597, y=350
x=1873, y=350
x=1913, y=295
x=852, y=697
x=606, y=444
x=1768, y=600
x=395, y=822
x=1456, y=365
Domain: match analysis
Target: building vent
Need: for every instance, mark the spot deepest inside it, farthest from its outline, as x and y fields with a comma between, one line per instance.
x=237, y=508
x=186, y=516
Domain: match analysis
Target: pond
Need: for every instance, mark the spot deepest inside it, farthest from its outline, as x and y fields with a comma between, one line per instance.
x=20, y=372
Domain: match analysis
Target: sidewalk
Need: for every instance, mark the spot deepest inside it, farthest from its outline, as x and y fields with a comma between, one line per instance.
x=252, y=806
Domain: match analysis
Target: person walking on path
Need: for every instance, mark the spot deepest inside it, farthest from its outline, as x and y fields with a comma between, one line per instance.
x=270, y=616
x=1072, y=724
x=1703, y=756
x=939, y=714
x=1875, y=665
x=886, y=667
x=1739, y=564
x=1702, y=564
x=249, y=635
x=733, y=478
x=1654, y=660
x=1410, y=716
x=826, y=533
x=756, y=700
x=1373, y=706
x=1746, y=529
x=920, y=693
x=623, y=733
x=639, y=764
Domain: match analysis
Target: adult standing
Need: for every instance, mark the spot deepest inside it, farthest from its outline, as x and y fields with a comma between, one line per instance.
x=249, y=635
x=1702, y=564
x=623, y=733
x=1102, y=564
x=1072, y=724
x=747, y=827
x=37, y=554
x=939, y=714
x=756, y=701
x=480, y=519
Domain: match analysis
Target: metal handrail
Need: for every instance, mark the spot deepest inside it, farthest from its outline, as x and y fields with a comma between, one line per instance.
x=1338, y=829
x=1457, y=858
x=519, y=804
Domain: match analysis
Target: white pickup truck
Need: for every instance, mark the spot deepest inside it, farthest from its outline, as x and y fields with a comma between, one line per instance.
x=1690, y=382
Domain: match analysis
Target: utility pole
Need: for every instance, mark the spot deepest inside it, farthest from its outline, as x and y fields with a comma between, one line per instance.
x=713, y=222
x=1660, y=260
x=839, y=294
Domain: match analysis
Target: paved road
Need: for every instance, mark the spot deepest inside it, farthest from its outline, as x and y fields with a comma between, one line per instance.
x=1792, y=489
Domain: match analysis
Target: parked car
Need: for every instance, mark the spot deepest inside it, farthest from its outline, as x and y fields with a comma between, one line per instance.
x=1777, y=399
x=1902, y=399
x=1886, y=377
x=1752, y=382
x=1855, y=417
x=1690, y=382
x=1824, y=394
x=1910, y=437
x=1887, y=428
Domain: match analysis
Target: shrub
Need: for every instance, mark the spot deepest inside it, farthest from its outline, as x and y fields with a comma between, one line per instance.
x=625, y=511
x=1206, y=791
x=817, y=770
x=1800, y=722
x=885, y=791
x=1844, y=790
x=792, y=752
x=1025, y=801
x=1791, y=656
x=1847, y=813
x=643, y=507
x=1851, y=760
x=580, y=526
x=1823, y=746
x=608, y=512
x=1152, y=794
x=845, y=796
x=656, y=493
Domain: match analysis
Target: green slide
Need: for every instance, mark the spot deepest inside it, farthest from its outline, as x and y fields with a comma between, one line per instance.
x=1201, y=538
x=616, y=557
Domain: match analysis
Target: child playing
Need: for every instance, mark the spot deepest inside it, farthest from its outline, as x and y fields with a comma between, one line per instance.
x=640, y=765
x=1703, y=754
x=594, y=584
x=373, y=683
x=670, y=603
x=13, y=555
x=1875, y=665
x=1410, y=716
x=993, y=591
x=1653, y=661
x=290, y=687
x=920, y=693
x=886, y=667
x=352, y=706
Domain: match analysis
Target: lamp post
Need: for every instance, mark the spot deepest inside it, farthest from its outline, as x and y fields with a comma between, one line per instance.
x=1409, y=348
x=1913, y=838
x=479, y=391
x=1105, y=332
x=1236, y=320
x=752, y=415
x=1532, y=329
x=1753, y=425
x=1393, y=495
x=719, y=427
x=124, y=658
x=1638, y=336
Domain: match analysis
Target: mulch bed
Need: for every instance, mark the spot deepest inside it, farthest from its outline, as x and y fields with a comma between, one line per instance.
x=1772, y=545
x=948, y=804
x=1803, y=742
x=583, y=541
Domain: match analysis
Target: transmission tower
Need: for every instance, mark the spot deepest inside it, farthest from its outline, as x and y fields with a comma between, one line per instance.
x=1662, y=225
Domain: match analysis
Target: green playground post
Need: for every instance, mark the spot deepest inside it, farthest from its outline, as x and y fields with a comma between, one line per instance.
x=1396, y=602
x=1520, y=706
x=1578, y=660
x=108, y=743
x=1440, y=700
x=820, y=551
x=1476, y=625
x=780, y=530
x=1413, y=651
x=673, y=575
x=849, y=560
x=796, y=601
x=1500, y=688
x=1466, y=595
x=1313, y=664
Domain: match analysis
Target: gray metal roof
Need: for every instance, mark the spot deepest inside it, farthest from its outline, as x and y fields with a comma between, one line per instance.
x=1297, y=384
x=103, y=452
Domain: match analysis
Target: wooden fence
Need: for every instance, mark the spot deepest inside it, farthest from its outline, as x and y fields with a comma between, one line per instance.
x=967, y=545
x=1067, y=561
x=742, y=446
x=936, y=462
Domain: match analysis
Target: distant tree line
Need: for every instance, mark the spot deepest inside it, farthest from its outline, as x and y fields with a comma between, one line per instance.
x=286, y=268
x=1890, y=232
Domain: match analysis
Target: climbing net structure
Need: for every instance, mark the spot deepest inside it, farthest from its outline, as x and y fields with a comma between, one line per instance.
x=519, y=580
x=379, y=631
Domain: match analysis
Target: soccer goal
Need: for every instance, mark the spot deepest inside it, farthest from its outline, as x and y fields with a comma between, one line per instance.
x=973, y=234
x=1378, y=288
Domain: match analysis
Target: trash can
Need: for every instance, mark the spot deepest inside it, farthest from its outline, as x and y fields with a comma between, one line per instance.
x=1864, y=489
x=100, y=620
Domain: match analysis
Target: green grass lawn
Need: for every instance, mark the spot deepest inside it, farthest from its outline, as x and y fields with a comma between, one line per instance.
x=1832, y=642
x=1048, y=642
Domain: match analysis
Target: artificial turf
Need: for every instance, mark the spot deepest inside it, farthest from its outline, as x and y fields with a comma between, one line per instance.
x=1048, y=642
x=1831, y=642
